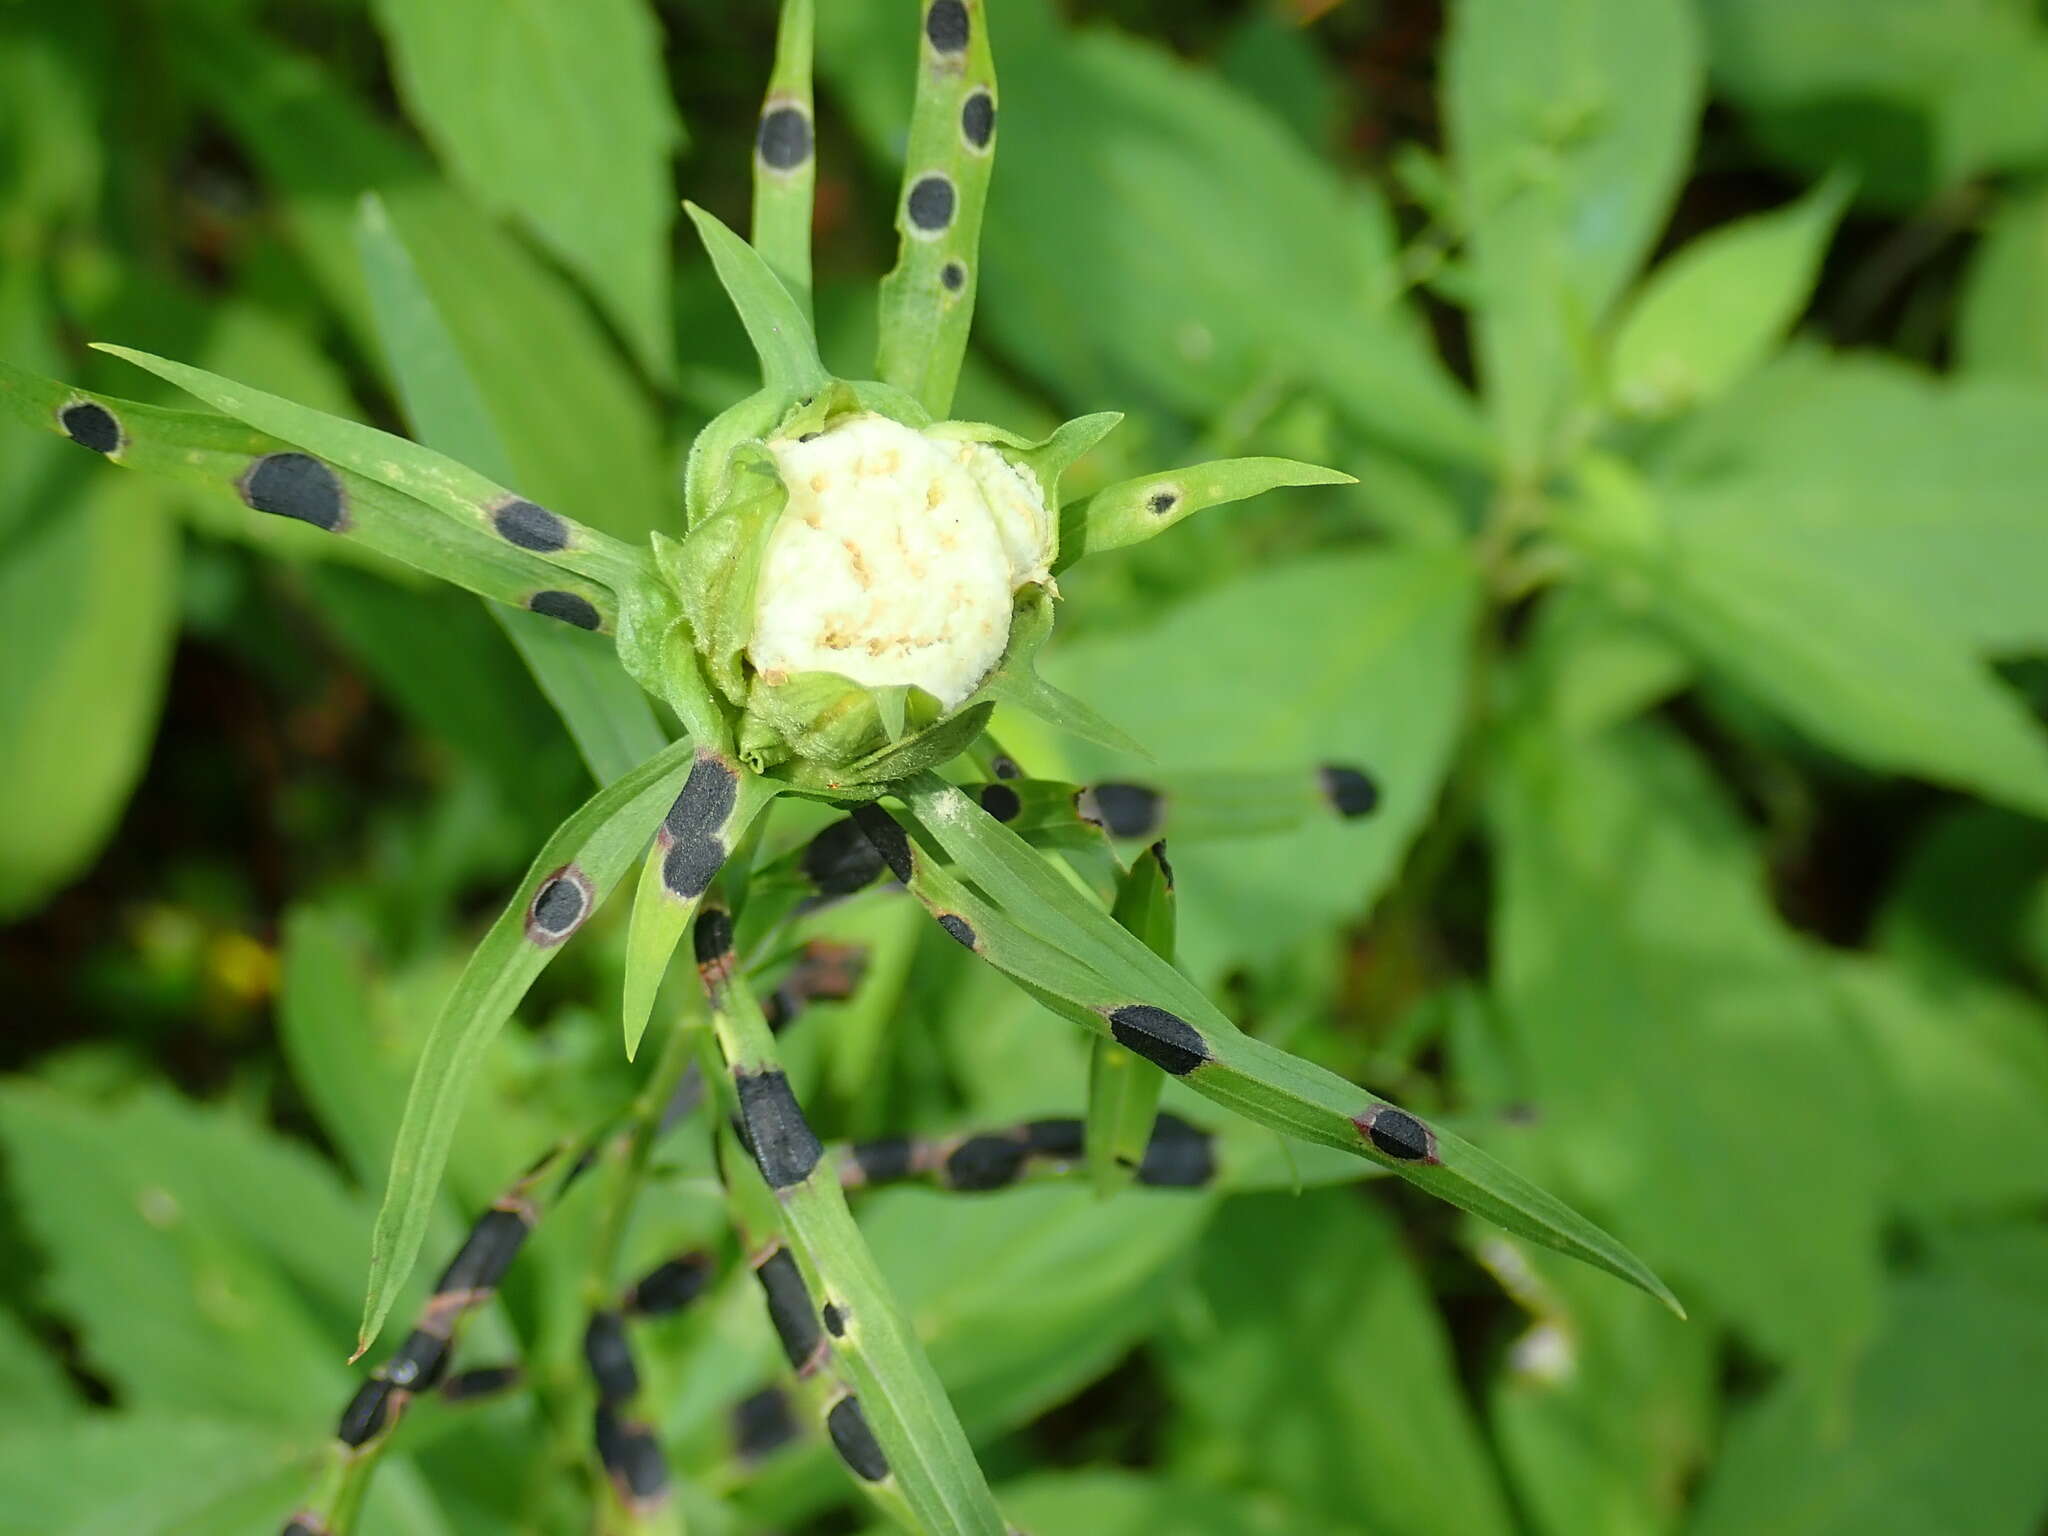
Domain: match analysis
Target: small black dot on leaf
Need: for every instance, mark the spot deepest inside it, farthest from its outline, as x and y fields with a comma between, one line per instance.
x=1399, y=1134
x=530, y=526
x=947, y=26
x=91, y=425
x=978, y=119
x=1162, y=502
x=1350, y=791
x=785, y=138
x=569, y=607
x=930, y=204
x=953, y=276
x=559, y=906
x=295, y=485
x=958, y=928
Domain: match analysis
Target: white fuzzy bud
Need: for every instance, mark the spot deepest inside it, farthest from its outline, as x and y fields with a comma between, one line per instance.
x=897, y=558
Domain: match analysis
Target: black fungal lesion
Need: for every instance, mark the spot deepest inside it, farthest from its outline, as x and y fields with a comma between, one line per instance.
x=784, y=1146
x=1158, y=852
x=610, y=1357
x=481, y=1381
x=953, y=276
x=784, y=141
x=789, y=1309
x=1165, y=1039
x=298, y=486
x=885, y=1160
x=1162, y=500
x=855, y=1441
x=1001, y=801
x=1179, y=1155
x=632, y=1457
x=530, y=526
x=889, y=840
x=978, y=119
x=1397, y=1134
x=983, y=1163
x=560, y=904
x=91, y=425
x=762, y=1424
x=835, y=1319
x=711, y=942
x=929, y=207
x=958, y=929
x=367, y=1412
x=568, y=607
x=692, y=832
x=1121, y=809
x=1352, y=792
x=306, y=1525
x=948, y=27
x=669, y=1287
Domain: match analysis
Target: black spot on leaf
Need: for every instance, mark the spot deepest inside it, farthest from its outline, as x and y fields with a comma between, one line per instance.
x=842, y=859
x=978, y=119
x=953, y=276
x=985, y=1162
x=1123, y=810
x=785, y=1147
x=1350, y=791
x=367, y=1412
x=855, y=1442
x=569, y=607
x=670, y=1286
x=1062, y=1137
x=296, y=485
x=530, y=526
x=885, y=1161
x=712, y=937
x=1399, y=1134
x=1165, y=1039
x=1178, y=1156
x=630, y=1454
x=888, y=838
x=559, y=906
x=762, y=1424
x=480, y=1381
x=1162, y=502
x=958, y=928
x=688, y=868
x=835, y=1321
x=90, y=425
x=785, y=138
x=930, y=204
x=493, y=1243
x=610, y=1357
x=789, y=1307
x=1001, y=801
x=947, y=26
x=419, y=1362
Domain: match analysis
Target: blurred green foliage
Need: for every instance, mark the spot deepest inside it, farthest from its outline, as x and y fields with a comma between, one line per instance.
x=1693, y=360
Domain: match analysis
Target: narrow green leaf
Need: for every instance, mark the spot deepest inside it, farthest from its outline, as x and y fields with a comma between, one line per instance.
x=1123, y=1091
x=219, y=456
x=786, y=156
x=1132, y=511
x=712, y=812
x=574, y=871
x=458, y=492
x=899, y=1394
x=927, y=301
x=1076, y=959
x=606, y=714
x=1712, y=311
x=775, y=322
x=557, y=111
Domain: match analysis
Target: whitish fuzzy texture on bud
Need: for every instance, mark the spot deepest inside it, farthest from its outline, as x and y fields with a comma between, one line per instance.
x=896, y=559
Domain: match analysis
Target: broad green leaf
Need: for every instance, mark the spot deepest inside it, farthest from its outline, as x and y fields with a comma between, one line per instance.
x=574, y=417
x=1217, y=250
x=1663, y=1016
x=1939, y=1431
x=1713, y=311
x=1070, y=954
x=605, y=712
x=2002, y=328
x=1923, y=492
x=926, y=303
x=1570, y=123
x=452, y=489
x=557, y=111
x=204, y=1267
x=1135, y=510
x=1316, y=1367
x=1911, y=96
x=786, y=156
x=1964, y=1051
x=574, y=871
x=88, y=610
x=775, y=322
x=1353, y=659
x=1603, y=1411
